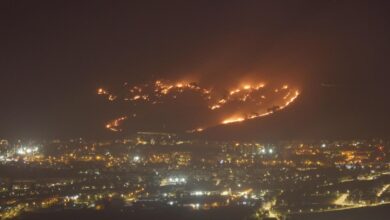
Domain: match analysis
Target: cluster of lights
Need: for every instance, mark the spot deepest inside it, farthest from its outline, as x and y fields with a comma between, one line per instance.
x=198, y=193
x=27, y=150
x=177, y=180
x=266, y=151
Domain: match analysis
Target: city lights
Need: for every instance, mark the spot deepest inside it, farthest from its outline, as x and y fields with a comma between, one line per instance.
x=166, y=169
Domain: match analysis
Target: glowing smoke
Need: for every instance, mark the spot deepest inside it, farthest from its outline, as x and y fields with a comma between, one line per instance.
x=164, y=101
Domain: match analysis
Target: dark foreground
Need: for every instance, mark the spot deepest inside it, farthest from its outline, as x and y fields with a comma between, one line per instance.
x=236, y=213
x=163, y=213
x=373, y=213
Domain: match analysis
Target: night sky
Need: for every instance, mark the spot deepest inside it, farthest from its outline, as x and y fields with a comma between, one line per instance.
x=54, y=54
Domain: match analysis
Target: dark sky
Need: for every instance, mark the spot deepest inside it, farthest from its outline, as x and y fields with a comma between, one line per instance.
x=54, y=54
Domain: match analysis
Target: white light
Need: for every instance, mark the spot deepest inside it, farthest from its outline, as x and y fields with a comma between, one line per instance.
x=198, y=193
x=225, y=193
x=175, y=180
x=136, y=158
x=20, y=151
x=323, y=145
x=26, y=150
x=270, y=151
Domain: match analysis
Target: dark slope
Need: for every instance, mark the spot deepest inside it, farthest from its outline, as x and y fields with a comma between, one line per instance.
x=323, y=111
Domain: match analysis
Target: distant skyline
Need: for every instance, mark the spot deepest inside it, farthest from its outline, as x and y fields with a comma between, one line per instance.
x=56, y=54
